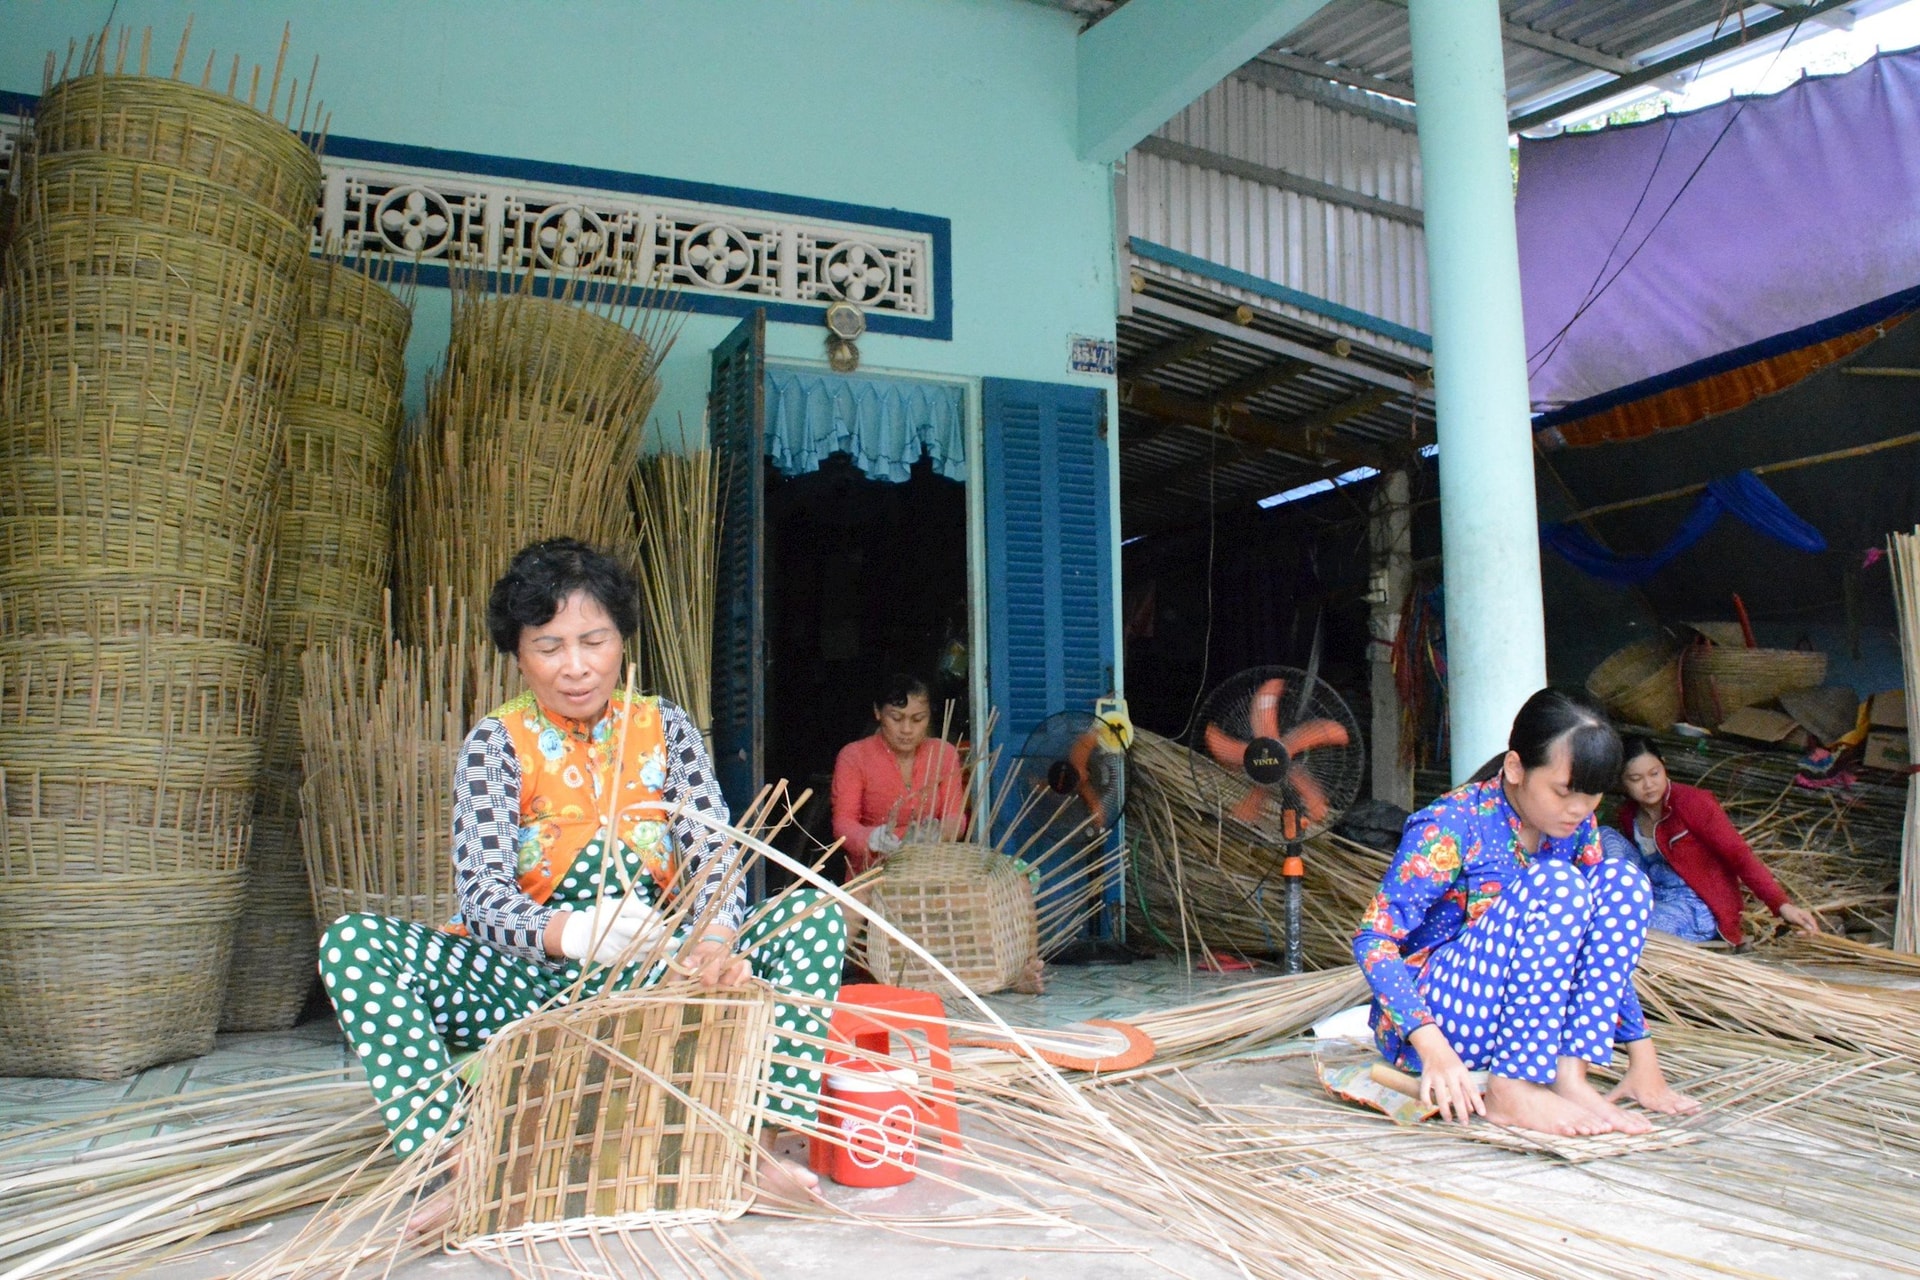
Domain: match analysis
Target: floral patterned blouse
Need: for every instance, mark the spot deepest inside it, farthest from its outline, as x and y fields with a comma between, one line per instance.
x=512, y=813
x=1455, y=857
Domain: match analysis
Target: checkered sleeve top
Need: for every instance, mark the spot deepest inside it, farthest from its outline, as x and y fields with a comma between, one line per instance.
x=486, y=835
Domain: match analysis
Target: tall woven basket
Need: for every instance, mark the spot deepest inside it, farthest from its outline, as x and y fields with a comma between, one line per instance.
x=969, y=906
x=626, y=1109
x=332, y=559
x=1720, y=679
x=147, y=314
x=1640, y=683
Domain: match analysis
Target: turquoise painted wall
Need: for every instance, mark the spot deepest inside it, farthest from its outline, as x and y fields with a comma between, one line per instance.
x=964, y=109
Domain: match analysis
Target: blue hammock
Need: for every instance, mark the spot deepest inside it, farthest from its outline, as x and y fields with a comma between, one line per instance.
x=1741, y=494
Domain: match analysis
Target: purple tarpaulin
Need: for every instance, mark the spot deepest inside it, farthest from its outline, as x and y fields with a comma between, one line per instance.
x=1655, y=253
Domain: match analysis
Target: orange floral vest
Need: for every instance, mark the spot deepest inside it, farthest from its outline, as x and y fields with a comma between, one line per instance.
x=566, y=767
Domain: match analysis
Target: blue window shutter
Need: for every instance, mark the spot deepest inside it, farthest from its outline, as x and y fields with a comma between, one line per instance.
x=737, y=422
x=1049, y=552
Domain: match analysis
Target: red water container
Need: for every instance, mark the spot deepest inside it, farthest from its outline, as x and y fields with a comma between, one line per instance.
x=868, y=1117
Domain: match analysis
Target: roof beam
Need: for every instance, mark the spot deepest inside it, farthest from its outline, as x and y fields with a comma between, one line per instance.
x=1305, y=436
x=1200, y=157
x=1146, y=61
x=1396, y=89
x=1678, y=62
x=1262, y=379
x=1571, y=50
x=1279, y=346
x=1317, y=88
x=1174, y=352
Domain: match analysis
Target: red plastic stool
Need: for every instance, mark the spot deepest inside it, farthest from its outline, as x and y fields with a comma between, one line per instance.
x=868, y=1017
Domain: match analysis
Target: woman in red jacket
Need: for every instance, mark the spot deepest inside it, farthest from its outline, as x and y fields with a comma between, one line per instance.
x=1693, y=855
x=899, y=784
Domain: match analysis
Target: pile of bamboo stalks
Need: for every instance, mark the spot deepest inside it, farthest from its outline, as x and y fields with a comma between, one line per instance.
x=332, y=558
x=676, y=497
x=1904, y=553
x=147, y=330
x=1808, y=1124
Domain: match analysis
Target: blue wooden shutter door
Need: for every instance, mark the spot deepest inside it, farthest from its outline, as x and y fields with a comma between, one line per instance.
x=737, y=423
x=1049, y=553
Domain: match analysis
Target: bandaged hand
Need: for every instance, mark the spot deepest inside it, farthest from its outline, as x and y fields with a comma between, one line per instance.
x=610, y=927
x=882, y=842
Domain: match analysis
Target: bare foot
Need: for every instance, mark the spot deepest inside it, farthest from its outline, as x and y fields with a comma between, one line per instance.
x=1033, y=979
x=432, y=1213
x=1570, y=1082
x=1516, y=1104
x=781, y=1180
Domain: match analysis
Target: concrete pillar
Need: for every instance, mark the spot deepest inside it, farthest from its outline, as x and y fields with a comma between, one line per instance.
x=1489, y=529
x=1390, y=534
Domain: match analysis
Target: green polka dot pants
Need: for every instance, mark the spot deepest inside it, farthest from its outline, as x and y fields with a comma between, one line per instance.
x=409, y=997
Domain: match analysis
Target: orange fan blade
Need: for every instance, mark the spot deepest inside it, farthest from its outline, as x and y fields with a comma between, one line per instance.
x=1077, y=757
x=1314, y=733
x=1252, y=807
x=1265, y=714
x=1313, y=797
x=1230, y=752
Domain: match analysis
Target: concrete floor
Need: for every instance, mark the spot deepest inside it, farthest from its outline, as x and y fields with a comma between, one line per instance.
x=1662, y=1199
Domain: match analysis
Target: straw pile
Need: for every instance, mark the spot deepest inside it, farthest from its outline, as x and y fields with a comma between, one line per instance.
x=1904, y=551
x=332, y=557
x=152, y=293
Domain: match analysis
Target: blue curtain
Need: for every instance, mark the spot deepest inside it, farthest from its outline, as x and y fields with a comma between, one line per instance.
x=1740, y=494
x=883, y=423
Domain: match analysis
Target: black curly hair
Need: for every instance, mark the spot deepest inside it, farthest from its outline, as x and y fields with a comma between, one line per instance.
x=545, y=573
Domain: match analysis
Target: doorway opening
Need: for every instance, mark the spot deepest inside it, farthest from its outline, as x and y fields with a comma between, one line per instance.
x=864, y=578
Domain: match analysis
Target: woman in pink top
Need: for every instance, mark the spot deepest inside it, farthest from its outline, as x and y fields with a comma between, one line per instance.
x=897, y=785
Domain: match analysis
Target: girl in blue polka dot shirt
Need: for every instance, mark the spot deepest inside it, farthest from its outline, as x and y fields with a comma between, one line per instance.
x=1503, y=941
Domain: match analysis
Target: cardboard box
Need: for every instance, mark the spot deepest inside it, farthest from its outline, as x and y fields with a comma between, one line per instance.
x=1888, y=710
x=1888, y=751
x=1761, y=725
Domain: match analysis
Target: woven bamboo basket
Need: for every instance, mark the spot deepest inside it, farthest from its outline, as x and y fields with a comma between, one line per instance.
x=49, y=849
x=201, y=784
x=1640, y=683
x=102, y=978
x=185, y=127
x=168, y=413
x=276, y=937
x=43, y=310
x=135, y=685
x=346, y=302
x=77, y=187
x=116, y=249
x=135, y=602
x=627, y=1109
x=90, y=489
x=53, y=546
x=1718, y=680
x=970, y=907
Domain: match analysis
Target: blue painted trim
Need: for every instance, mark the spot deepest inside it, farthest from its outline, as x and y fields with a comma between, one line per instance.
x=938, y=326
x=1807, y=335
x=1279, y=293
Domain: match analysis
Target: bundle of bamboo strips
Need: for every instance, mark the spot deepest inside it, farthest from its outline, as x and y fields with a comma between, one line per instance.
x=1904, y=554
x=677, y=499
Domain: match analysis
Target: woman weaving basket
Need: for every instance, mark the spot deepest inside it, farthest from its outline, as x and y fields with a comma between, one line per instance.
x=527, y=850
x=1502, y=939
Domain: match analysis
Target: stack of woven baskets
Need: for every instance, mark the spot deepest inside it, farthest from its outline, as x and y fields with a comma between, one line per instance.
x=332, y=557
x=152, y=295
x=531, y=431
